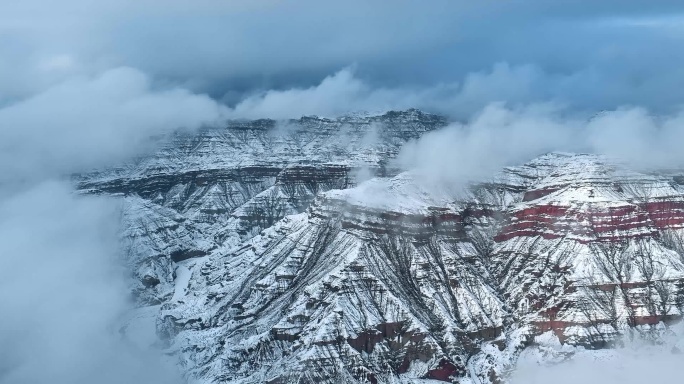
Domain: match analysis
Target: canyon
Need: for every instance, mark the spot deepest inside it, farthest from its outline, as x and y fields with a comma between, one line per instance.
x=299, y=252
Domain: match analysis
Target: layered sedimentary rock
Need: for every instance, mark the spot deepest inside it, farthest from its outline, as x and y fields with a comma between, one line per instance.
x=345, y=293
x=285, y=269
x=400, y=278
x=220, y=186
x=593, y=248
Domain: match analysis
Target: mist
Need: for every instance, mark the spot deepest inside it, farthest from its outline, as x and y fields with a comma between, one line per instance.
x=87, y=122
x=500, y=136
x=636, y=361
x=62, y=292
x=517, y=86
x=63, y=288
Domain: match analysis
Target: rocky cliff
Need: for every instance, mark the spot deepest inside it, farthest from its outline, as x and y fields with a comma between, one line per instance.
x=221, y=186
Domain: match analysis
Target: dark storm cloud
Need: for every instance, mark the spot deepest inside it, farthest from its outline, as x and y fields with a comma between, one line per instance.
x=590, y=54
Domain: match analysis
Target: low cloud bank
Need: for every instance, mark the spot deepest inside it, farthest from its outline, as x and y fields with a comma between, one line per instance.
x=62, y=294
x=636, y=362
x=585, y=91
x=345, y=92
x=500, y=135
x=62, y=289
x=92, y=121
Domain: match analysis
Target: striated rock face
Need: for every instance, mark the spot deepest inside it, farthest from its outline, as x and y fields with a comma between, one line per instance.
x=221, y=186
x=591, y=249
x=275, y=271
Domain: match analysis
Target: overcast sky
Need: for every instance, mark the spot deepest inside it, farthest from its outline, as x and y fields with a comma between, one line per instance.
x=590, y=54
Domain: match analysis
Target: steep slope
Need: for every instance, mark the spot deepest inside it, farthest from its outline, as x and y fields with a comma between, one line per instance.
x=221, y=186
x=404, y=279
x=343, y=293
x=593, y=248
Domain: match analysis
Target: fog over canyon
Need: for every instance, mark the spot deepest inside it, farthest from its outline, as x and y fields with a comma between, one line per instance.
x=344, y=192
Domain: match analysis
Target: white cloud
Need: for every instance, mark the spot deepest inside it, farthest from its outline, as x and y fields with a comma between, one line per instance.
x=239, y=47
x=638, y=136
x=87, y=122
x=499, y=136
x=61, y=293
x=343, y=92
x=635, y=363
x=583, y=92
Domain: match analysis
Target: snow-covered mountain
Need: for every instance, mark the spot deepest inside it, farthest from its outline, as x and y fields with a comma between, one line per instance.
x=264, y=258
x=221, y=186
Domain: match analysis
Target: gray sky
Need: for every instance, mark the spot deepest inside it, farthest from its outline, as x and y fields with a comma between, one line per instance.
x=589, y=54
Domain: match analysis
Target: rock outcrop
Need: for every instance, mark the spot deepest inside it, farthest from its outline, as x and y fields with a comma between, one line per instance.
x=221, y=186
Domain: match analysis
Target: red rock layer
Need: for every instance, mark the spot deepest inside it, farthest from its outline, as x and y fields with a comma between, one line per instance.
x=591, y=222
x=666, y=214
